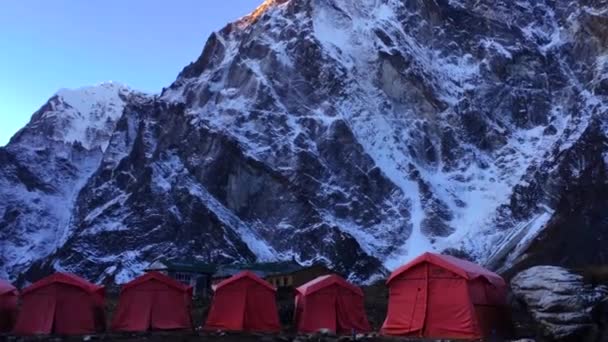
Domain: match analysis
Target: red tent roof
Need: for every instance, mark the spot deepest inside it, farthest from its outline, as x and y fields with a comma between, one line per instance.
x=65, y=278
x=341, y=309
x=465, y=269
x=244, y=274
x=6, y=287
x=327, y=280
x=157, y=276
x=76, y=309
x=248, y=304
x=153, y=301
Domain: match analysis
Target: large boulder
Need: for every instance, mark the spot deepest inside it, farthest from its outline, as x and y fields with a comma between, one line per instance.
x=559, y=301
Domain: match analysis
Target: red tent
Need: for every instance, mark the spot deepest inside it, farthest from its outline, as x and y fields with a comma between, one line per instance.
x=439, y=296
x=62, y=304
x=153, y=302
x=244, y=302
x=330, y=302
x=8, y=306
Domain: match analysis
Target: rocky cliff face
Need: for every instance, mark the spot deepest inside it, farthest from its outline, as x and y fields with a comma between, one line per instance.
x=560, y=303
x=355, y=133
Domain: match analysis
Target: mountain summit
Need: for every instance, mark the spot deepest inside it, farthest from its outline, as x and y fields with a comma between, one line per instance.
x=353, y=133
x=86, y=115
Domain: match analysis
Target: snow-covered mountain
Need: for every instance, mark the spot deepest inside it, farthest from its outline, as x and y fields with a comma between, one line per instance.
x=45, y=166
x=357, y=133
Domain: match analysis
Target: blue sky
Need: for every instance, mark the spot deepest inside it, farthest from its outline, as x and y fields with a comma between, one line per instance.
x=48, y=45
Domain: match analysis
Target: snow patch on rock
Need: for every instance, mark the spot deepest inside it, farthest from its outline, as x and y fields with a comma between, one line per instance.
x=558, y=299
x=85, y=114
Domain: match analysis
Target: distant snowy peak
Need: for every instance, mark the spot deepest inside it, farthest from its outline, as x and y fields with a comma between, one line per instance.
x=86, y=99
x=85, y=115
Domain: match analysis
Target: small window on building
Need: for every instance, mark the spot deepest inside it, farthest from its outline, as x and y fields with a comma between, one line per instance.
x=183, y=277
